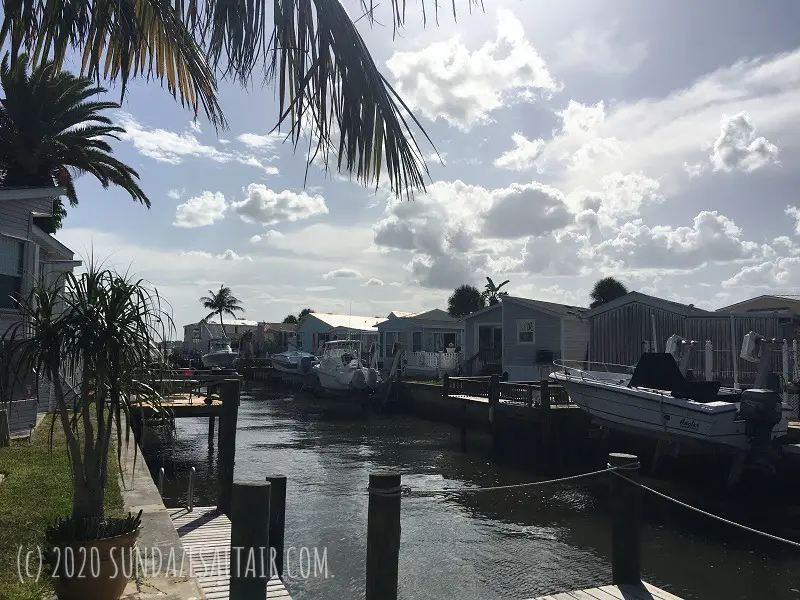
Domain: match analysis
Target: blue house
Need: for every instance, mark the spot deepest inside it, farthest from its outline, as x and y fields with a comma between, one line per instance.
x=523, y=337
x=432, y=340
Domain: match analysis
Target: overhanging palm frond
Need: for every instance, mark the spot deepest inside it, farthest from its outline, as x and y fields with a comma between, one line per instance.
x=329, y=86
x=119, y=39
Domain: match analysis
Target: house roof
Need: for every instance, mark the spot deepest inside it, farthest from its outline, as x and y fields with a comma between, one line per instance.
x=290, y=327
x=630, y=297
x=51, y=244
x=435, y=316
x=482, y=311
x=30, y=193
x=354, y=322
x=788, y=302
x=554, y=308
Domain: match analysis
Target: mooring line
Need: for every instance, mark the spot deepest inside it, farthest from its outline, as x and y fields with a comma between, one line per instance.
x=708, y=514
x=423, y=492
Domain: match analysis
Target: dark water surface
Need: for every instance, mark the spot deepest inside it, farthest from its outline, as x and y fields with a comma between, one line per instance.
x=501, y=545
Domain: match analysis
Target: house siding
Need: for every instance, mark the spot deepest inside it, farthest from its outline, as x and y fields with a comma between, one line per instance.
x=404, y=328
x=493, y=315
x=574, y=338
x=519, y=360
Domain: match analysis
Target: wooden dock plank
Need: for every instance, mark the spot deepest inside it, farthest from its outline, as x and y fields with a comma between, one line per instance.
x=206, y=536
x=645, y=591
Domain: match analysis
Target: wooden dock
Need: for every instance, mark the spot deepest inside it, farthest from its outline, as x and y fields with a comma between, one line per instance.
x=645, y=591
x=206, y=537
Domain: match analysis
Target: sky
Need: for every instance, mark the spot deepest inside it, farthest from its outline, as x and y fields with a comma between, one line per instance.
x=654, y=142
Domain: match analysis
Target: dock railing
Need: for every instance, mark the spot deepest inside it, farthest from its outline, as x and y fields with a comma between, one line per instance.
x=540, y=394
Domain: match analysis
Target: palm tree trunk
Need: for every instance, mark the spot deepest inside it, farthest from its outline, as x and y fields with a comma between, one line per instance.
x=221, y=324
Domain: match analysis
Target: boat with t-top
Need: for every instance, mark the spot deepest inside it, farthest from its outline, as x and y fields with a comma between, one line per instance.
x=341, y=369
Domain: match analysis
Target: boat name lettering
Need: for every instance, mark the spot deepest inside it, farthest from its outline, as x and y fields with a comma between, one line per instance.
x=689, y=424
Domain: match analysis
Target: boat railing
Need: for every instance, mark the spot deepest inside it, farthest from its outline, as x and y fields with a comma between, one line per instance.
x=593, y=369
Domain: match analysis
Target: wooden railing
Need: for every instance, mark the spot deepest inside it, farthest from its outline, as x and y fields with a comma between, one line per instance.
x=487, y=356
x=542, y=394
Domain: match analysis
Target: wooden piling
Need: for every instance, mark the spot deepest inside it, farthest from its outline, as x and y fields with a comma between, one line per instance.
x=463, y=425
x=277, y=520
x=5, y=433
x=625, y=537
x=445, y=386
x=383, y=536
x=544, y=402
x=249, y=539
x=229, y=394
x=494, y=413
x=211, y=420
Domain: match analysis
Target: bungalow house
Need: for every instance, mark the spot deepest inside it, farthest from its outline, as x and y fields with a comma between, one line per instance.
x=768, y=303
x=432, y=340
x=197, y=336
x=269, y=338
x=317, y=328
x=621, y=329
x=522, y=337
x=28, y=253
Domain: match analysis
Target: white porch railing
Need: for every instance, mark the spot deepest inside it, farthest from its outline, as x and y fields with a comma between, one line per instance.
x=433, y=360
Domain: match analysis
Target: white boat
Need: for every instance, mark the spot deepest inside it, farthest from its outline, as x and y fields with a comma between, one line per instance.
x=293, y=361
x=340, y=368
x=219, y=355
x=657, y=401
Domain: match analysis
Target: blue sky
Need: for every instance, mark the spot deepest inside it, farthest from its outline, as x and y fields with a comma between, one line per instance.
x=655, y=142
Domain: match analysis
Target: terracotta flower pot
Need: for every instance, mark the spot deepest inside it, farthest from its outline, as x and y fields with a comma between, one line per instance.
x=100, y=571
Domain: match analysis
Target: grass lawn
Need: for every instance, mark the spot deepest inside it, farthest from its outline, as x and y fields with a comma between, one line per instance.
x=37, y=489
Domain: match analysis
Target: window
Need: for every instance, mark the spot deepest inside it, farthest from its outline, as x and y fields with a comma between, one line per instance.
x=526, y=332
x=416, y=341
x=11, y=252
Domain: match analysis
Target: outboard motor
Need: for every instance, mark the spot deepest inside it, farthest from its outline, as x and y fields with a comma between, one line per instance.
x=372, y=378
x=305, y=365
x=761, y=410
x=358, y=381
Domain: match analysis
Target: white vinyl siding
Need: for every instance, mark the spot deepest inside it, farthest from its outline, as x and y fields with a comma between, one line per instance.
x=526, y=331
x=12, y=252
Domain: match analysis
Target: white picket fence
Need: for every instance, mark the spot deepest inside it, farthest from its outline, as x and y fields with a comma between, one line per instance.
x=433, y=361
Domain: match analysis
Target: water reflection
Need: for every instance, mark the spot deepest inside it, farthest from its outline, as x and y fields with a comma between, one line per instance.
x=505, y=545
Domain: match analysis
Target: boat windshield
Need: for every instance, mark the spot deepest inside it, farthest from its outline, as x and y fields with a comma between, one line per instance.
x=220, y=346
x=342, y=348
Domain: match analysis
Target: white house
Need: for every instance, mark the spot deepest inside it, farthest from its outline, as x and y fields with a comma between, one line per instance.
x=28, y=252
x=198, y=336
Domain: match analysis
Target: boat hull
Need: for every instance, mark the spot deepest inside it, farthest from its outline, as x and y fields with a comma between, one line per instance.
x=658, y=415
x=222, y=360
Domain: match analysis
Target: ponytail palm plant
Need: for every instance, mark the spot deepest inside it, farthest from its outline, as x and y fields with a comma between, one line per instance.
x=89, y=336
x=51, y=131
x=310, y=50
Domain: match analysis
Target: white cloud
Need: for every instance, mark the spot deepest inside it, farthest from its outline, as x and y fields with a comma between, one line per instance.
x=712, y=238
x=342, y=273
x=737, y=146
x=599, y=51
x=201, y=211
x=260, y=142
x=176, y=194
x=523, y=210
x=266, y=206
x=694, y=170
x=320, y=288
x=523, y=156
x=195, y=254
x=231, y=255
x=194, y=125
x=580, y=118
x=270, y=234
x=373, y=282
x=255, y=239
x=658, y=135
x=593, y=150
x=620, y=195
x=446, y=80
x=782, y=272
x=173, y=148
x=794, y=212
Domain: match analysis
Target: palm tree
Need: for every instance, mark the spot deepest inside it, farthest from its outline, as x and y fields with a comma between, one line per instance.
x=310, y=50
x=304, y=313
x=606, y=290
x=50, y=132
x=220, y=302
x=464, y=300
x=492, y=293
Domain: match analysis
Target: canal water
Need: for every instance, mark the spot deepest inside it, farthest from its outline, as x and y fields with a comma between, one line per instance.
x=502, y=544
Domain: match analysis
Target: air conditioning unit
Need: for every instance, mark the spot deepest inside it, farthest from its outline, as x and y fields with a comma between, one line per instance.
x=751, y=347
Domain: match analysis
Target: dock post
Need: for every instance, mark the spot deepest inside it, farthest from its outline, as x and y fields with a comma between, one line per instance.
x=494, y=413
x=5, y=434
x=625, y=539
x=227, y=442
x=383, y=536
x=161, y=482
x=529, y=395
x=544, y=403
x=463, y=425
x=211, y=421
x=249, y=540
x=445, y=386
x=277, y=521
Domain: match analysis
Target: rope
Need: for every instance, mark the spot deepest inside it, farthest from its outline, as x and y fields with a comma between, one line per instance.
x=708, y=514
x=389, y=492
x=514, y=486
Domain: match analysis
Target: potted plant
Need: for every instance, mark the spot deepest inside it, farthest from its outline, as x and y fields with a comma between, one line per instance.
x=89, y=337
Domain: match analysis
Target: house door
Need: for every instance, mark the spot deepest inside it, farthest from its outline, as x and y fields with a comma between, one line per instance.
x=490, y=337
